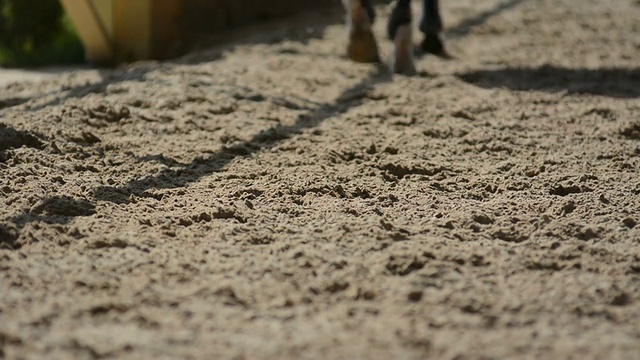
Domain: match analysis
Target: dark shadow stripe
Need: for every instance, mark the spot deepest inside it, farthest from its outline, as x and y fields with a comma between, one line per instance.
x=466, y=26
x=611, y=82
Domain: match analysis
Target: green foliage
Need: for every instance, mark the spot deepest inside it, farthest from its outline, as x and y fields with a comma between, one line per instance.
x=36, y=33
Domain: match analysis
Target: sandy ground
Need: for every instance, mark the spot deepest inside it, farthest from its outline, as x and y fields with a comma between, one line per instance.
x=268, y=199
x=9, y=76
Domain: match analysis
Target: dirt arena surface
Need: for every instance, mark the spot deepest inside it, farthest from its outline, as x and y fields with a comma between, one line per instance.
x=268, y=199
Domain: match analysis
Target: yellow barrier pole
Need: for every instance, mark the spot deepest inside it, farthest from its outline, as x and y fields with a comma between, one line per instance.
x=132, y=28
x=92, y=29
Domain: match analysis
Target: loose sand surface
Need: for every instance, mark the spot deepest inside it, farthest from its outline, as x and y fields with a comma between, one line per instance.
x=265, y=198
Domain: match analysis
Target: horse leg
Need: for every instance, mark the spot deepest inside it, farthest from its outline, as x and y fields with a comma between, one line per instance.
x=362, y=46
x=431, y=27
x=399, y=30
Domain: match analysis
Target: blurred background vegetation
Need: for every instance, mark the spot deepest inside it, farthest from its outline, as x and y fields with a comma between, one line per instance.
x=37, y=33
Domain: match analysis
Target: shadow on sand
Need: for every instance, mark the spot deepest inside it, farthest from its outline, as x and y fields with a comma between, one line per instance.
x=202, y=167
x=611, y=82
x=466, y=26
x=620, y=83
x=62, y=210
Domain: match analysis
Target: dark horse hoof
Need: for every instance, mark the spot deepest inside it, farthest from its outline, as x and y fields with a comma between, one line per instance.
x=432, y=44
x=363, y=48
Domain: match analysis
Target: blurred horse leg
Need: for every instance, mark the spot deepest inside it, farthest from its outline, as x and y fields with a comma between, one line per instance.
x=400, y=31
x=431, y=27
x=362, y=46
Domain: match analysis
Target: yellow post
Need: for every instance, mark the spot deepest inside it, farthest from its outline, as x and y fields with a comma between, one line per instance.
x=126, y=30
x=92, y=20
x=132, y=28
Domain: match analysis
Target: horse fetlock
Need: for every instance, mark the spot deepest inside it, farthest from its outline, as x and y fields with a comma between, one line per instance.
x=400, y=16
x=358, y=18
